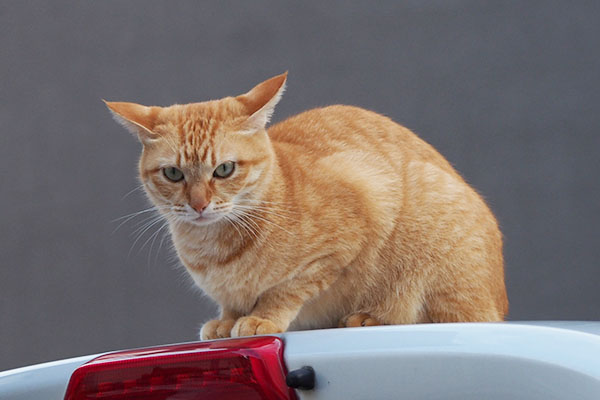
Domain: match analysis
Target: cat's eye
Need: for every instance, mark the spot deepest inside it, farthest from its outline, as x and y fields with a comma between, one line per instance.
x=224, y=170
x=173, y=174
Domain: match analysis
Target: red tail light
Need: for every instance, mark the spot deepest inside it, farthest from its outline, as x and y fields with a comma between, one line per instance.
x=246, y=368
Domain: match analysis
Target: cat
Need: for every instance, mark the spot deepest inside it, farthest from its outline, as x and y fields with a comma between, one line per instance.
x=337, y=216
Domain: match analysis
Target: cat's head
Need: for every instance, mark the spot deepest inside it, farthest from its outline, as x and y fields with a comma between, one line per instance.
x=202, y=162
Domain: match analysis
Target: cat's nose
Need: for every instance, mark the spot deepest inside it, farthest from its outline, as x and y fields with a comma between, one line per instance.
x=199, y=197
x=199, y=205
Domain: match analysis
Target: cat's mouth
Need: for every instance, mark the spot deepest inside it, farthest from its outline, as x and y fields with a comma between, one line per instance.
x=190, y=216
x=204, y=219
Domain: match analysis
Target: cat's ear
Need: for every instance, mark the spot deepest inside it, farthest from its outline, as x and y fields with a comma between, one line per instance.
x=139, y=120
x=260, y=102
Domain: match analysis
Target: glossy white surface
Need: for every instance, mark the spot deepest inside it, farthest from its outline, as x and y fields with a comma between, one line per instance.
x=450, y=361
x=47, y=381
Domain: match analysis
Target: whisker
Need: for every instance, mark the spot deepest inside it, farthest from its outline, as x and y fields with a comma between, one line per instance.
x=245, y=225
x=140, y=225
x=232, y=223
x=251, y=222
x=135, y=214
x=131, y=191
x=250, y=214
x=266, y=210
x=266, y=206
x=271, y=210
x=129, y=217
x=139, y=236
x=153, y=237
x=160, y=244
x=170, y=142
x=280, y=206
x=283, y=206
x=264, y=201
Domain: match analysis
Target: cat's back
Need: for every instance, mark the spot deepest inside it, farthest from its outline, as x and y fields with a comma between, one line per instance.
x=323, y=132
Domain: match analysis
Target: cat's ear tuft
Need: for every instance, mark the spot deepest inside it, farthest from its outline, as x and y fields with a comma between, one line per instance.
x=138, y=119
x=260, y=102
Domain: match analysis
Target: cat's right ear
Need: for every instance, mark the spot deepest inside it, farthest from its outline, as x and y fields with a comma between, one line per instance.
x=138, y=119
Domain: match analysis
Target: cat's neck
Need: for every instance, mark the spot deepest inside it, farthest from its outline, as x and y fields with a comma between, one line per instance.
x=210, y=243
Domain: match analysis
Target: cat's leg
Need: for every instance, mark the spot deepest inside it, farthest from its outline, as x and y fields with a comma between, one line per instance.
x=277, y=307
x=396, y=303
x=358, y=319
x=466, y=305
x=219, y=328
x=472, y=289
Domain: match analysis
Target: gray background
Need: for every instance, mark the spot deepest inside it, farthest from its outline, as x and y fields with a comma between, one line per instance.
x=509, y=92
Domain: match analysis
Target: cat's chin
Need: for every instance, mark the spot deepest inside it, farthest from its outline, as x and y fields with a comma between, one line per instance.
x=203, y=221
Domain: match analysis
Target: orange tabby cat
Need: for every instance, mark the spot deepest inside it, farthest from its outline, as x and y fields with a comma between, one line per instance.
x=336, y=216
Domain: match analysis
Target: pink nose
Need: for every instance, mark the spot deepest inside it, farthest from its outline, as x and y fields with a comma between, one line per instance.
x=199, y=205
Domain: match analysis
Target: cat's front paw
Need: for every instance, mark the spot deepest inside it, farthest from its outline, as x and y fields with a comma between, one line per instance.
x=249, y=326
x=216, y=329
x=358, y=319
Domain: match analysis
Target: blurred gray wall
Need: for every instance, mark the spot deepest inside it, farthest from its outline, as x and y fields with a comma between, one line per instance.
x=508, y=91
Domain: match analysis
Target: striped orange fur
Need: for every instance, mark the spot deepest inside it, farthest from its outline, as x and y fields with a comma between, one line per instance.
x=337, y=216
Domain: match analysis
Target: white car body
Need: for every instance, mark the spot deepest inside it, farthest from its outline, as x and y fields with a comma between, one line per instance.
x=517, y=360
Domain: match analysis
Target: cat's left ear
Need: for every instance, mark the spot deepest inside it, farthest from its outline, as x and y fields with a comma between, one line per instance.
x=138, y=119
x=260, y=102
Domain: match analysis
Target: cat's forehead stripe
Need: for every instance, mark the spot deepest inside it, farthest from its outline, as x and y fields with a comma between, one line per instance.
x=196, y=136
x=204, y=151
x=213, y=157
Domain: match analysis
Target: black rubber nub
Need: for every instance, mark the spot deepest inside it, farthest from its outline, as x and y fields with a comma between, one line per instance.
x=302, y=378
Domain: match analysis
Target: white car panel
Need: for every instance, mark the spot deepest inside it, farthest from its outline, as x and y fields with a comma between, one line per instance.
x=449, y=361
x=525, y=360
x=47, y=381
